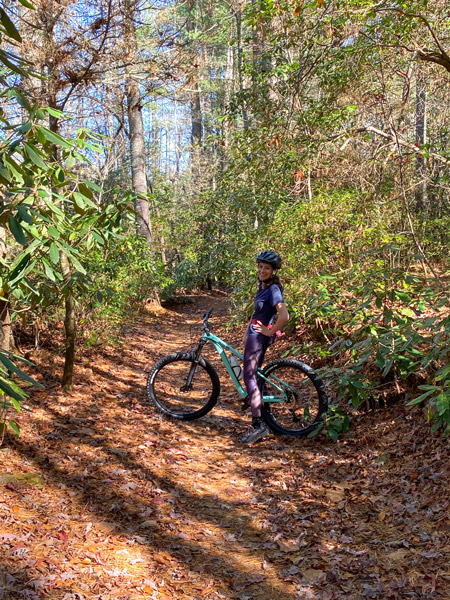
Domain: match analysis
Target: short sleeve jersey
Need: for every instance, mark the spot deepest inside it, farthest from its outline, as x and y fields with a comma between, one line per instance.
x=266, y=300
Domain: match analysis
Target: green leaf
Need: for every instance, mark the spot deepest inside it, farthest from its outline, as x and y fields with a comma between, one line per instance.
x=5, y=174
x=17, y=231
x=403, y=296
x=356, y=384
x=27, y=4
x=55, y=113
x=420, y=398
x=24, y=214
x=60, y=175
x=54, y=253
x=16, y=273
x=333, y=434
x=388, y=367
x=442, y=373
x=25, y=127
x=13, y=394
x=79, y=200
x=35, y=156
x=54, y=232
x=9, y=26
x=442, y=404
x=78, y=266
x=49, y=271
x=14, y=427
x=54, y=208
x=98, y=238
x=92, y=185
x=436, y=425
x=13, y=167
x=15, y=369
x=380, y=361
x=69, y=252
x=5, y=59
x=16, y=405
x=84, y=199
x=21, y=99
x=54, y=138
x=70, y=161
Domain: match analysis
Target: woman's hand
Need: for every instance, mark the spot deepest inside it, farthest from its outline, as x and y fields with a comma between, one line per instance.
x=282, y=319
x=260, y=328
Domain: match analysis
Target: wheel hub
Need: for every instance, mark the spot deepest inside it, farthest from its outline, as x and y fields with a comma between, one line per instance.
x=293, y=400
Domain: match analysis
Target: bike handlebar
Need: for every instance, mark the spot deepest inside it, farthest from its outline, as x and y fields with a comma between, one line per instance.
x=206, y=317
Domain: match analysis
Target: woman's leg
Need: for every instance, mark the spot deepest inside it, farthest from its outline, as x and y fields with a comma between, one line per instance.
x=255, y=348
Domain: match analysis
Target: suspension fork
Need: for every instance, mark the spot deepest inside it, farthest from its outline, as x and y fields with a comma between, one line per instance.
x=195, y=354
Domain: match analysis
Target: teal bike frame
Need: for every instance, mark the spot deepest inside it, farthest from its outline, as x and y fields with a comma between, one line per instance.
x=222, y=348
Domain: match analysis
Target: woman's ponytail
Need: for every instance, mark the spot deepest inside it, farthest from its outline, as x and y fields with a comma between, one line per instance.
x=272, y=280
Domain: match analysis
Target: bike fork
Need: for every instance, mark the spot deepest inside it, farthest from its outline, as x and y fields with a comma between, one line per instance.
x=195, y=358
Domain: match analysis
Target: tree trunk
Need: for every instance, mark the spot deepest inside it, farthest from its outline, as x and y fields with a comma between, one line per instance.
x=195, y=104
x=421, y=191
x=196, y=116
x=70, y=324
x=138, y=167
x=5, y=320
x=240, y=77
x=70, y=321
x=136, y=129
x=228, y=88
x=5, y=324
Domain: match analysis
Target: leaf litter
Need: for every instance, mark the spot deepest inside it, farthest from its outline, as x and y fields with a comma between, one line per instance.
x=102, y=498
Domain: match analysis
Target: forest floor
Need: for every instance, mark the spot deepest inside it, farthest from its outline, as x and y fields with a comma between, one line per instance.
x=103, y=498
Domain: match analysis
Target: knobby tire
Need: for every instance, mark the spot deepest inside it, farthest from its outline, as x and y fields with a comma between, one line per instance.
x=307, y=398
x=167, y=378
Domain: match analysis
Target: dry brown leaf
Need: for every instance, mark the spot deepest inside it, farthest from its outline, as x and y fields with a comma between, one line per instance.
x=288, y=545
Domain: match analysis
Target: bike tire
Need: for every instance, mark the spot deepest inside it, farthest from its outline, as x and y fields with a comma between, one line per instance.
x=308, y=401
x=166, y=379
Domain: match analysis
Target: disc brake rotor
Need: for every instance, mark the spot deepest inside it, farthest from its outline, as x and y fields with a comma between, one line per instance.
x=293, y=398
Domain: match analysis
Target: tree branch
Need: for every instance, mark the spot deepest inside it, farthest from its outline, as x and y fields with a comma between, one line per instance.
x=393, y=137
x=441, y=57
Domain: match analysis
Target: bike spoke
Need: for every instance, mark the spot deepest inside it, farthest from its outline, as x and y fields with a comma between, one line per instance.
x=170, y=389
x=303, y=400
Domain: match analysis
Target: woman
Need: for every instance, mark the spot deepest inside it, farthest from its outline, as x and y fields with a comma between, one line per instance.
x=269, y=317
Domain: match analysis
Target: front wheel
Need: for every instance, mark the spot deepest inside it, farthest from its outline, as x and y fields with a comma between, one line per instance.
x=169, y=391
x=297, y=397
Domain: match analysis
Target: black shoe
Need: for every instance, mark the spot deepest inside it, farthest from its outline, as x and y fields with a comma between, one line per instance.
x=256, y=431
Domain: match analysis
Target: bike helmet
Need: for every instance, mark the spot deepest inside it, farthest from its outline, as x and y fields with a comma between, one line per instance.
x=268, y=256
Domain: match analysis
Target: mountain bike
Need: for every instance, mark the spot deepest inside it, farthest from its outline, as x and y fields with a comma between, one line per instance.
x=186, y=386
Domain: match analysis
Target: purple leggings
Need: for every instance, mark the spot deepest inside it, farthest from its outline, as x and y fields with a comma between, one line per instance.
x=255, y=348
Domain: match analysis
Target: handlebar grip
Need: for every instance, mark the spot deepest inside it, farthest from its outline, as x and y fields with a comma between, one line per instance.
x=208, y=314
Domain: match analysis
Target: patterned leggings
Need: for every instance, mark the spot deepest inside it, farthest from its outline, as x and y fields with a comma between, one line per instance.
x=255, y=348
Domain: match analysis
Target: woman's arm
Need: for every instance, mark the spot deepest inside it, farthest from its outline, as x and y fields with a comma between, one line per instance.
x=281, y=320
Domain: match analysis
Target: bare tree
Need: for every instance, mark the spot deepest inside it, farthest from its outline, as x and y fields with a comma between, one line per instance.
x=136, y=123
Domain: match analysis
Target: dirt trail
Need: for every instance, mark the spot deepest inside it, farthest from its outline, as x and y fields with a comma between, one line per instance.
x=132, y=506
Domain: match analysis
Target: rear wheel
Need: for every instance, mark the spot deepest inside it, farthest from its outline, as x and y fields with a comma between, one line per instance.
x=305, y=399
x=167, y=386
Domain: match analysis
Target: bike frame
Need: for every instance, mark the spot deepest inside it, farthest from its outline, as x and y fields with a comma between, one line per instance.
x=222, y=347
